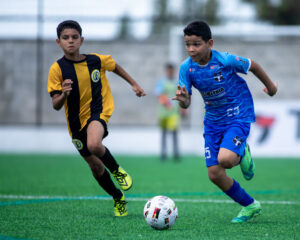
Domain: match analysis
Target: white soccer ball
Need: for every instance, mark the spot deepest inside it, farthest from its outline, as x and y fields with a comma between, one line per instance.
x=160, y=212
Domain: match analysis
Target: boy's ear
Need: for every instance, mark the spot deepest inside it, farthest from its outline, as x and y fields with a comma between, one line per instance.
x=58, y=41
x=211, y=42
x=82, y=39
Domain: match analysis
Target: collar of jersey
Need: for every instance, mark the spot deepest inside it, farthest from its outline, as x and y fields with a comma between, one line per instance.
x=80, y=61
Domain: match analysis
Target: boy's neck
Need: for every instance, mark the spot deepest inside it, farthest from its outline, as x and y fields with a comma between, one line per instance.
x=75, y=57
x=205, y=60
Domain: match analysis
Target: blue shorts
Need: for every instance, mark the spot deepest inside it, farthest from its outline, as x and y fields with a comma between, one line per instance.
x=232, y=137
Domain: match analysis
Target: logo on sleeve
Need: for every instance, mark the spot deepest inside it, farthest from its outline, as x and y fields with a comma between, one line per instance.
x=95, y=75
x=77, y=143
x=238, y=141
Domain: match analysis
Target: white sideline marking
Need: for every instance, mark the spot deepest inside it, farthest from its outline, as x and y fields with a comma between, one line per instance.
x=28, y=197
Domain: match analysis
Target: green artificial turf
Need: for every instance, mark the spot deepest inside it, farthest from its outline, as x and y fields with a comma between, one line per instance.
x=56, y=197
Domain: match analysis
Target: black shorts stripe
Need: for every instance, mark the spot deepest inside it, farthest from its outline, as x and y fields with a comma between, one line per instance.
x=73, y=100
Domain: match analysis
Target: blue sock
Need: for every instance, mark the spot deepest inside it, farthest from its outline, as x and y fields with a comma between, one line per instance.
x=239, y=195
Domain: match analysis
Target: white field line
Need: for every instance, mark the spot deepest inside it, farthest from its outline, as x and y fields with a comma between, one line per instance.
x=28, y=197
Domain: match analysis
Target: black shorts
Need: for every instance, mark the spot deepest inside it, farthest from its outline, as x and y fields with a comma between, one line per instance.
x=80, y=139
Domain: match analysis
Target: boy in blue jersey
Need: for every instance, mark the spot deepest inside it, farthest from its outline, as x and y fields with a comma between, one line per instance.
x=229, y=110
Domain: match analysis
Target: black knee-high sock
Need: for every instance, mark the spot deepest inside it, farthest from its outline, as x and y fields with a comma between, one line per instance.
x=109, y=161
x=107, y=184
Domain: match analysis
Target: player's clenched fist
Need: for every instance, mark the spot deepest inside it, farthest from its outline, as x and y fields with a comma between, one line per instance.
x=67, y=86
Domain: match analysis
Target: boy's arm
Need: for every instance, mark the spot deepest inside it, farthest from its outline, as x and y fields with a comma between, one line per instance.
x=58, y=100
x=257, y=70
x=183, y=97
x=135, y=86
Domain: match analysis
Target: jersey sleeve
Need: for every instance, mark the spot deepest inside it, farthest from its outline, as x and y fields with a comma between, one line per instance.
x=107, y=62
x=239, y=64
x=54, y=80
x=184, y=77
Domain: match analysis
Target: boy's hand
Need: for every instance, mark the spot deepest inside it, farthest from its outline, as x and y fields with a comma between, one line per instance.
x=66, y=87
x=138, y=90
x=181, y=94
x=271, y=92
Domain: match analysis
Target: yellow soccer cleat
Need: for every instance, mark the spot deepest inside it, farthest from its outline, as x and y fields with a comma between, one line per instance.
x=120, y=207
x=123, y=178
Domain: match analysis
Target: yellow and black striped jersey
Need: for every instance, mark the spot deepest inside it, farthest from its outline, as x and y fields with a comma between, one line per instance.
x=91, y=96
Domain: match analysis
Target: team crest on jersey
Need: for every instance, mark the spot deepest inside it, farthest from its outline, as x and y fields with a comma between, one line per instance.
x=77, y=143
x=95, y=75
x=238, y=141
x=218, y=76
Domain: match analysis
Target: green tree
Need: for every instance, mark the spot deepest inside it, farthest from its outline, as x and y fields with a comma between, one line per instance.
x=280, y=12
x=163, y=18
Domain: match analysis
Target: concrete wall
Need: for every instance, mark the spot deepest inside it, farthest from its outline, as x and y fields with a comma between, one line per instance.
x=144, y=61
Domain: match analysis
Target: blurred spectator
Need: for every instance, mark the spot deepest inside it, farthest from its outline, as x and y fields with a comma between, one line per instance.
x=168, y=110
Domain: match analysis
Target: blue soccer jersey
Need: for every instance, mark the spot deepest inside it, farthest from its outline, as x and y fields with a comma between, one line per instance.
x=226, y=95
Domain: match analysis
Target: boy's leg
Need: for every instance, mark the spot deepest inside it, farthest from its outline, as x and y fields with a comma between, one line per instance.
x=95, y=133
x=175, y=145
x=172, y=126
x=104, y=180
x=235, y=140
x=231, y=188
x=251, y=207
x=223, y=151
x=163, y=153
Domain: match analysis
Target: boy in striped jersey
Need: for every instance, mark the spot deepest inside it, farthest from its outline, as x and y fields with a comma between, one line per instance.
x=78, y=82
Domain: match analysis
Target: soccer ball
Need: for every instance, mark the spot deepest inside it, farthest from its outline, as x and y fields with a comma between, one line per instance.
x=160, y=212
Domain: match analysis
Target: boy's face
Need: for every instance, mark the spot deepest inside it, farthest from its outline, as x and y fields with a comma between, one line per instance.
x=70, y=41
x=198, y=49
x=170, y=72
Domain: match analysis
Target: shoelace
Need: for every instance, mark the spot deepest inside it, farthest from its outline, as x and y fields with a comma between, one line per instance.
x=120, y=176
x=243, y=212
x=121, y=205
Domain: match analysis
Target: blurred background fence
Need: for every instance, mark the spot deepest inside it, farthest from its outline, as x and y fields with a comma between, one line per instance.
x=24, y=98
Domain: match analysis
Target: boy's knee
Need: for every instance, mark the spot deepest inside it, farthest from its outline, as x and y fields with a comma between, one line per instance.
x=227, y=159
x=225, y=162
x=96, y=148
